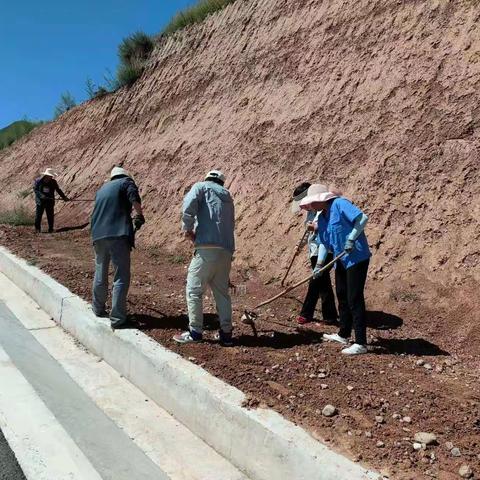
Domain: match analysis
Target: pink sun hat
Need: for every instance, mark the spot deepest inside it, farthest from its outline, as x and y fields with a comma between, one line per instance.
x=318, y=193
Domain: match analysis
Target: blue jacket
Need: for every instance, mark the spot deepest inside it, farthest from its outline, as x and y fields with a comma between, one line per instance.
x=111, y=217
x=335, y=225
x=208, y=210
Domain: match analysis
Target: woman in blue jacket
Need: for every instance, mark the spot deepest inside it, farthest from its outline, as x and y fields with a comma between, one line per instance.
x=340, y=228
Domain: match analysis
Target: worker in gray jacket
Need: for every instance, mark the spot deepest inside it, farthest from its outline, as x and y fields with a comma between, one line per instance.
x=208, y=220
x=113, y=238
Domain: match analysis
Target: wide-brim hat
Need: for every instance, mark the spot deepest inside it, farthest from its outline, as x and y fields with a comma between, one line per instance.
x=117, y=171
x=312, y=190
x=317, y=197
x=215, y=174
x=49, y=172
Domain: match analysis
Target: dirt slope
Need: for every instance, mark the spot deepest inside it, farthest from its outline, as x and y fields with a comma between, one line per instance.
x=379, y=98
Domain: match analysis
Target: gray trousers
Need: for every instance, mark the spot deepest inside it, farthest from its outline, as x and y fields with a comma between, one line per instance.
x=116, y=250
x=210, y=267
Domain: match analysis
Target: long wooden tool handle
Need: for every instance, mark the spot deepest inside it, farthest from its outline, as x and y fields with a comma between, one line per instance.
x=294, y=257
x=305, y=280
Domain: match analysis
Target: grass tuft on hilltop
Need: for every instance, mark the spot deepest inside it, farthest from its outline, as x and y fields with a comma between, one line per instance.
x=195, y=14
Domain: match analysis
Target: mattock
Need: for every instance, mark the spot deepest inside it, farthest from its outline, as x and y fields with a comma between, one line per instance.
x=249, y=316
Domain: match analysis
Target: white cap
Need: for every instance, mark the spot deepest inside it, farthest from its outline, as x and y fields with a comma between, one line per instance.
x=215, y=174
x=116, y=171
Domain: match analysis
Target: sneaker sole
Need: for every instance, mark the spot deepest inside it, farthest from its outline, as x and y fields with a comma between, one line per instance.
x=334, y=341
x=182, y=342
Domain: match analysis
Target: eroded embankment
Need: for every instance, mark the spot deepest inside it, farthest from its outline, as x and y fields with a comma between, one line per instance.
x=378, y=98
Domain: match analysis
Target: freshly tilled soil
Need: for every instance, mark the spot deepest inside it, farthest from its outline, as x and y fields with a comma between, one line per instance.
x=414, y=378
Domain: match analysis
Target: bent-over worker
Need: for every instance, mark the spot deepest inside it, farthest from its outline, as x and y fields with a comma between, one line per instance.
x=340, y=228
x=113, y=237
x=44, y=188
x=208, y=220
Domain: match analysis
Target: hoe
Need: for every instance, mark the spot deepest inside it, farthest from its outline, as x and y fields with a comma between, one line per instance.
x=249, y=316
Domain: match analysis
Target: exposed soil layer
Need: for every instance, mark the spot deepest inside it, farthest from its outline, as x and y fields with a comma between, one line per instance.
x=297, y=374
x=379, y=98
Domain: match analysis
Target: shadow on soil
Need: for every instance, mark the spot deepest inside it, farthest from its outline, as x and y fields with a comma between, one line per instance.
x=383, y=321
x=279, y=340
x=409, y=346
x=70, y=229
x=269, y=339
x=167, y=322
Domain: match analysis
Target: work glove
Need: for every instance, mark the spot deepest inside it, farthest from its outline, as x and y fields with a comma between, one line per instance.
x=349, y=246
x=138, y=221
x=317, y=271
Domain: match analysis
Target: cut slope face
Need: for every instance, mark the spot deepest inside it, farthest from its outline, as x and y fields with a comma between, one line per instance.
x=379, y=98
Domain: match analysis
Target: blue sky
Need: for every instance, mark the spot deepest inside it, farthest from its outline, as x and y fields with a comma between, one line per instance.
x=51, y=46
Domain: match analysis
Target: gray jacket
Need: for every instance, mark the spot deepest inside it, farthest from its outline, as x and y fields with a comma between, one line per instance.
x=111, y=217
x=209, y=211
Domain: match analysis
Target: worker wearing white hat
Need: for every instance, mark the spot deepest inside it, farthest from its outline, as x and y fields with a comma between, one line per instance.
x=113, y=236
x=208, y=220
x=44, y=188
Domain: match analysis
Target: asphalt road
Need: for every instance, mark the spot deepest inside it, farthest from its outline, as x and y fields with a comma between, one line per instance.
x=9, y=468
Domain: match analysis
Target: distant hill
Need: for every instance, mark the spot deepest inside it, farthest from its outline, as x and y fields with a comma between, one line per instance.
x=16, y=130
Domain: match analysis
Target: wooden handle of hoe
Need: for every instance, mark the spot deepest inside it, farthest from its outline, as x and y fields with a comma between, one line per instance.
x=305, y=280
x=297, y=250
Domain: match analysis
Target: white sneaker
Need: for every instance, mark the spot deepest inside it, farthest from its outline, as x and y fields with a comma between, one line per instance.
x=355, y=349
x=334, y=337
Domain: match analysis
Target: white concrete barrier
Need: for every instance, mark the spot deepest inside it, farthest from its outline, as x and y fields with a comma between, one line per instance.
x=260, y=442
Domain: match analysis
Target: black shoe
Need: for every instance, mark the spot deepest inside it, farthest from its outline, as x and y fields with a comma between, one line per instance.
x=128, y=323
x=225, y=339
x=103, y=314
x=330, y=321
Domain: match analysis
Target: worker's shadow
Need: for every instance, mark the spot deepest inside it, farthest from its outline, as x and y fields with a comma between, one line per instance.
x=279, y=340
x=408, y=346
x=70, y=229
x=383, y=321
x=171, y=322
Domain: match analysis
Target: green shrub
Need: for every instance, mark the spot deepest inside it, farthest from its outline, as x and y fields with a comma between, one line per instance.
x=16, y=217
x=15, y=131
x=25, y=193
x=101, y=92
x=64, y=105
x=136, y=47
x=128, y=74
x=133, y=53
x=195, y=14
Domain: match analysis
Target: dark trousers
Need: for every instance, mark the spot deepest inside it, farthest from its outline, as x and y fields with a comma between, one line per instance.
x=49, y=208
x=320, y=288
x=349, y=285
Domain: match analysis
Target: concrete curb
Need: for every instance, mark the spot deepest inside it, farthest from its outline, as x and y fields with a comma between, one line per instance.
x=260, y=442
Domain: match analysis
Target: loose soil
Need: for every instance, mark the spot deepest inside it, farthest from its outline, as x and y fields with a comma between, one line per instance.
x=297, y=374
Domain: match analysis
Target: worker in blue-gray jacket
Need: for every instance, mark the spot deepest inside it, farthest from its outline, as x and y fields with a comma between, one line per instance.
x=208, y=220
x=113, y=238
